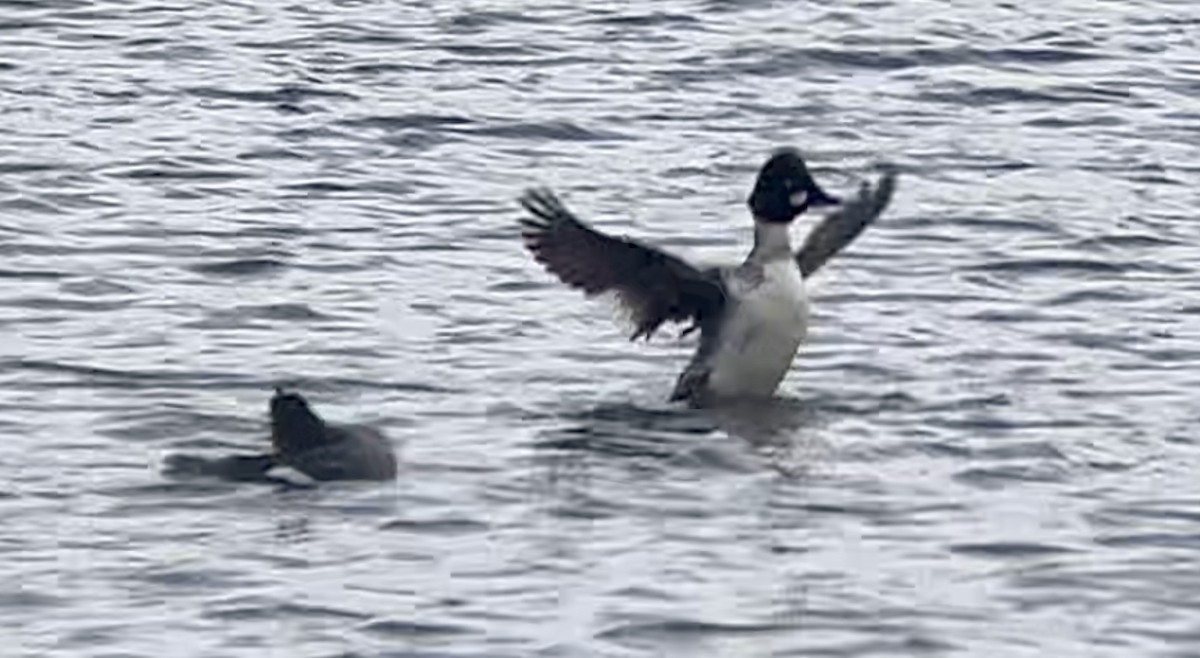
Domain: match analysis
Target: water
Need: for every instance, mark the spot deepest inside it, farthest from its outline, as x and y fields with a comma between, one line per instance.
x=987, y=449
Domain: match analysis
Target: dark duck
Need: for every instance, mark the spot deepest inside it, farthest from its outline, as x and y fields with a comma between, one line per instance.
x=301, y=440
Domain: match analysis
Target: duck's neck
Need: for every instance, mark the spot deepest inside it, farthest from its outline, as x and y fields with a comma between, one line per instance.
x=297, y=432
x=771, y=241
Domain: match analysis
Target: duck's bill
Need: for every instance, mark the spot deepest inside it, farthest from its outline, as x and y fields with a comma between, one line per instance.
x=817, y=198
x=814, y=198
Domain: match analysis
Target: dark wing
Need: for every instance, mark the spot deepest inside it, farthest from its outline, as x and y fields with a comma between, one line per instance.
x=653, y=285
x=840, y=227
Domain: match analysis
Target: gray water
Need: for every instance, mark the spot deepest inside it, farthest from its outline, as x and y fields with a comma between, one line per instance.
x=987, y=448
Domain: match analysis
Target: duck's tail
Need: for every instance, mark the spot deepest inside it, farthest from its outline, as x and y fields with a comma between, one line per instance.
x=236, y=468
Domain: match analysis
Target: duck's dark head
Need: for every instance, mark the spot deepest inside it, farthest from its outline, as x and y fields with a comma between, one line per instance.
x=294, y=426
x=785, y=189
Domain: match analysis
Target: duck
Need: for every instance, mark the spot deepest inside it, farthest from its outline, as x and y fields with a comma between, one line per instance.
x=304, y=444
x=752, y=317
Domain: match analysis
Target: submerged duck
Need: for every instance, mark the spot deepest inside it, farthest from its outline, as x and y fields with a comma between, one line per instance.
x=303, y=442
x=751, y=317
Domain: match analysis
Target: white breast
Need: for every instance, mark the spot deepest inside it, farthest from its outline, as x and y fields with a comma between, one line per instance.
x=759, y=339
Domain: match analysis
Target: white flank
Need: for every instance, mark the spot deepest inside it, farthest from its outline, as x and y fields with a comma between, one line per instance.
x=761, y=336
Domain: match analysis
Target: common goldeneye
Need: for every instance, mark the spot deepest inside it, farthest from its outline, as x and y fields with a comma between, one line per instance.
x=751, y=317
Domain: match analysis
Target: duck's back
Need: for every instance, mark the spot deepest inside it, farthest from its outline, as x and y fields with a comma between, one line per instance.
x=352, y=453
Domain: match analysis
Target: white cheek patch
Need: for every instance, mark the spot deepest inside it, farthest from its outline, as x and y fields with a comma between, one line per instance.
x=799, y=198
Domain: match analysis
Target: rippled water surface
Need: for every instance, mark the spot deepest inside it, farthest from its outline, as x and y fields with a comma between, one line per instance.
x=986, y=449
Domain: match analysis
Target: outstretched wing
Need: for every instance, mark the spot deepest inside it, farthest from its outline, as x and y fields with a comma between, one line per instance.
x=653, y=285
x=840, y=227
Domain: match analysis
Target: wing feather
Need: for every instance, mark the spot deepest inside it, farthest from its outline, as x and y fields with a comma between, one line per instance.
x=653, y=285
x=839, y=228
